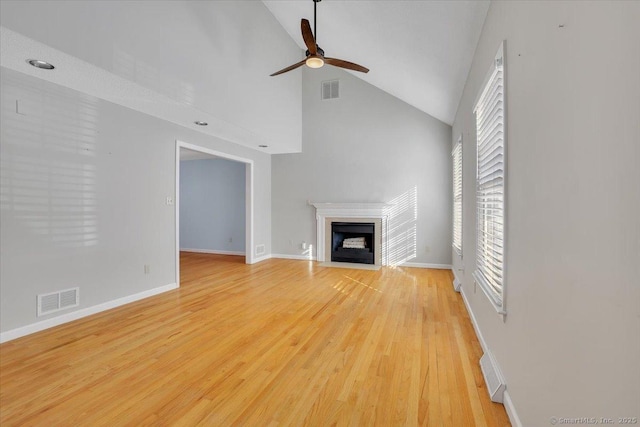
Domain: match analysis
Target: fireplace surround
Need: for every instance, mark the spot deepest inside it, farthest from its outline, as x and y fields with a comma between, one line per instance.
x=361, y=213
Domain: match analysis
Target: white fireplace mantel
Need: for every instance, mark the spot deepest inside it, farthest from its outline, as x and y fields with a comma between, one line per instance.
x=372, y=210
x=349, y=210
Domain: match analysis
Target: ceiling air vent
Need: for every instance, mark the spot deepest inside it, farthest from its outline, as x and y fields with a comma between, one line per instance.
x=56, y=301
x=331, y=89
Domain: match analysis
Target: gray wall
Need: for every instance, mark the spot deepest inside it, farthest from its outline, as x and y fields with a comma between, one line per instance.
x=570, y=344
x=212, y=205
x=366, y=146
x=84, y=187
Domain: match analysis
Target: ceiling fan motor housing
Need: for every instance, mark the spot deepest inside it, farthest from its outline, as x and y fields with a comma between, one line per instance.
x=320, y=51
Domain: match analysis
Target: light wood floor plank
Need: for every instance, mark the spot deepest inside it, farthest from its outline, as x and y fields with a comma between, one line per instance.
x=279, y=343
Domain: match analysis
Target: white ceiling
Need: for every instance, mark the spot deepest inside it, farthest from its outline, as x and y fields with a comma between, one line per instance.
x=148, y=56
x=179, y=61
x=418, y=51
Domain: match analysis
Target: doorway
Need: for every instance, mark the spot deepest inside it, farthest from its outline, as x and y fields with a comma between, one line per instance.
x=206, y=152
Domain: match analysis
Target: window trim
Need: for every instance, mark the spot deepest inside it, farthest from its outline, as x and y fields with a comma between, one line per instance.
x=457, y=149
x=498, y=304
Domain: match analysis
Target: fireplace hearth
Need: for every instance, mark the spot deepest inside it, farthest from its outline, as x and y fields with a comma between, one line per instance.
x=353, y=242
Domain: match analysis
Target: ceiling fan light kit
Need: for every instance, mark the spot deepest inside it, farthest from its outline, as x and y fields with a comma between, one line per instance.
x=314, y=62
x=315, y=55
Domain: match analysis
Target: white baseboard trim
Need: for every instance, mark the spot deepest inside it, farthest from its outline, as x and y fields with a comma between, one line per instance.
x=287, y=256
x=507, y=402
x=483, y=343
x=75, y=315
x=511, y=410
x=426, y=265
x=457, y=284
x=406, y=264
x=213, y=251
x=261, y=258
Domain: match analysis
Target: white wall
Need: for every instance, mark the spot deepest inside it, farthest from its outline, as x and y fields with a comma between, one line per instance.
x=570, y=344
x=366, y=146
x=212, y=205
x=83, y=197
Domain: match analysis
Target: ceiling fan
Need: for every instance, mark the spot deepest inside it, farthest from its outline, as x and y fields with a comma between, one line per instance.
x=315, y=55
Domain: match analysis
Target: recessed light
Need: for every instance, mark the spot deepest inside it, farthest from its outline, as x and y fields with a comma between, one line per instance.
x=200, y=123
x=40, y=64
x=262, y=146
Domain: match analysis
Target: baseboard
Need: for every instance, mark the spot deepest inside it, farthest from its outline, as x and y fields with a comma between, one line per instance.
x=507, y=402
x=287, y=256
x=406, y=264
x=457, y=284
x=511, y=410
x=483, y=343
x=75, y=315
x=213, y=251
x=426, y=265
x=261, y=258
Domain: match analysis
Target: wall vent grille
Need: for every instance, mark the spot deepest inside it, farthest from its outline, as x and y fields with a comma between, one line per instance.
x=59, y=300
x=492, y=377
x=331, y=89
x=260, y=250
x=457, y=284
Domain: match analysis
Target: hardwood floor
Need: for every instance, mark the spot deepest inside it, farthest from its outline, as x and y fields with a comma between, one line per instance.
x=277, y=343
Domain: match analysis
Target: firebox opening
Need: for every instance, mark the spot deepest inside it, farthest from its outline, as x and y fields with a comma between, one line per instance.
x=352, y=242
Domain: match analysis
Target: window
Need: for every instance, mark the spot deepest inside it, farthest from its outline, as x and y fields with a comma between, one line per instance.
x=456, y=155
x=490, y=184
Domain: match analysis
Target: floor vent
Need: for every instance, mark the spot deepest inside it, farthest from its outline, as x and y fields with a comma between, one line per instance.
x=492, y=377
x=331, y=89
x=457, y=284
x=56, y=301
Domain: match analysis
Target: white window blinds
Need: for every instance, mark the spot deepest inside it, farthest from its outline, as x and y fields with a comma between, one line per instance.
x=456, y=155
x=490, y=185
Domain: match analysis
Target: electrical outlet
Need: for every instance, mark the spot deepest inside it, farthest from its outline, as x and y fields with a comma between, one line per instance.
x=304, y=245
x=169, y=200
x=147, y=269
x=230, y=239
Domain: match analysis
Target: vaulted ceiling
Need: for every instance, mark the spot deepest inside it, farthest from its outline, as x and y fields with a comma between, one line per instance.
x=418, y=51
x=186, y=61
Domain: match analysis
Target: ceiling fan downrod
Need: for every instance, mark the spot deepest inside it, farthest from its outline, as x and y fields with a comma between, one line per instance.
x=315, y=20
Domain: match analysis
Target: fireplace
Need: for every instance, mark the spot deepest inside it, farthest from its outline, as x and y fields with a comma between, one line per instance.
x=352, y=213
x=353, y=242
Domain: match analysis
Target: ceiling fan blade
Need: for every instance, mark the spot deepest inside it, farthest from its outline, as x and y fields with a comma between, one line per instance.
x=345, y=64
x=308, y=38
x=289, y=68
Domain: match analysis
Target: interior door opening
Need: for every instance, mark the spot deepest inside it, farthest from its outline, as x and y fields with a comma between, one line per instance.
x=202, y=232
